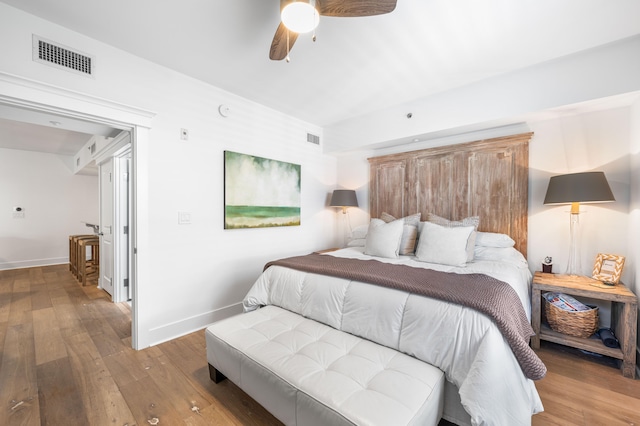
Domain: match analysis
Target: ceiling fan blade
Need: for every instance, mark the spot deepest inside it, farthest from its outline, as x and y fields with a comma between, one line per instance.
x=279, y=44
x=355, y=8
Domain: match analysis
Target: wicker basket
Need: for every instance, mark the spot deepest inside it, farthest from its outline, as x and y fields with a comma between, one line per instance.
x=573, y=323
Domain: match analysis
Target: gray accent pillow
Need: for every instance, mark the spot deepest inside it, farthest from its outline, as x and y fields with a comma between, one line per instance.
x=383, y=239
x=409, y=232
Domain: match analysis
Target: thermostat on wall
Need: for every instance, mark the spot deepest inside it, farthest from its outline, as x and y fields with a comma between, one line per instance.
x=18, y=213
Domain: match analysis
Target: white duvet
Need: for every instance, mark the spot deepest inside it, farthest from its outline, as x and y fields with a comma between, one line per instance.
x=463, y=343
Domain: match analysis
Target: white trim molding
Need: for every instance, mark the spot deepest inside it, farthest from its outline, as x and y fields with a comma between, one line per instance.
x=25, y=93
x=189, y=325
x=5, y=266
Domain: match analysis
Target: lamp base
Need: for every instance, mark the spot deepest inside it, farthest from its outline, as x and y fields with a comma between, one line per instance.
x=573, y=266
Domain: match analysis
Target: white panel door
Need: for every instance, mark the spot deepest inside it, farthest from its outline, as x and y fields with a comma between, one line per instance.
x=121, y=238
x=106, y=226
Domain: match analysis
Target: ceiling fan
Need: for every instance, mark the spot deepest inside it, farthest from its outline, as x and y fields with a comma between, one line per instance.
x=300, y=16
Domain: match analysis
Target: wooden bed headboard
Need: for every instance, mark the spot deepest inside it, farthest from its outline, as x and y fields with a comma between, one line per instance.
x=487, y=178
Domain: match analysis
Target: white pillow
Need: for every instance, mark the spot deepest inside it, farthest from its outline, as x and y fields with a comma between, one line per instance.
x=357, y=236
x=467, y=221
x=359, y=232
x=357, y=242
x=409, y=233
x=383, y=239
x=446, y=246
x=493, y=239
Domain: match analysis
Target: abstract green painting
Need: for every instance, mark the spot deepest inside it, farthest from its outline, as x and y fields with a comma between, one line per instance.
x=259, y=192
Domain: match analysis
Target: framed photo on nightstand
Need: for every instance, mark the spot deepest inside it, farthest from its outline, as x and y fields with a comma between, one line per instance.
x=608, y=268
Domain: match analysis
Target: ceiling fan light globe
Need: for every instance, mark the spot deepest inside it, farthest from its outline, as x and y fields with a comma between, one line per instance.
x=300, y=17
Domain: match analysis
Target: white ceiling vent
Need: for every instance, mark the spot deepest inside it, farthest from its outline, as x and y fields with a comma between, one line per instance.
x=50, y=53
x=313, y=139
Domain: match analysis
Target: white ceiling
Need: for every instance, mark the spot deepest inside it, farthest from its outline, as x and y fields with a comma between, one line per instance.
x=29, y=130
x=357, y=65
x=33, y=137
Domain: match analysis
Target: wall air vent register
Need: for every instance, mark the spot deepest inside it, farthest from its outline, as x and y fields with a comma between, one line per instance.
x=55, y=54
x=314, y=139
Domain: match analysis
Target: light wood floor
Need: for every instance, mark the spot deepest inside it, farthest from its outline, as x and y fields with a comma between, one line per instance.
x=66, y=359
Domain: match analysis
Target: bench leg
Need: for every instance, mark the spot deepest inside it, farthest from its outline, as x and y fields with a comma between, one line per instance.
x=215, y=375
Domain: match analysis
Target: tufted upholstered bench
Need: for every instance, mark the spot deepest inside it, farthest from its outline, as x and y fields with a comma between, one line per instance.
x=307, y=373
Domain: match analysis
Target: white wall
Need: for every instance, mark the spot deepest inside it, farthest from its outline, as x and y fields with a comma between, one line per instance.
x=194, y=273
x=55, y=203
x=633, y=260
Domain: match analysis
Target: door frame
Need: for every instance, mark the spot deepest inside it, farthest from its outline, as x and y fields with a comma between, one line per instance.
x=119, y=150
x=32, y=95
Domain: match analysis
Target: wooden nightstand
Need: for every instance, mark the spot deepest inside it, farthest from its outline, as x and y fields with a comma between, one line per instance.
x=624, y=315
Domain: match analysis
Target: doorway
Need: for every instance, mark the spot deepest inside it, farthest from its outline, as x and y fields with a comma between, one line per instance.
x=41, y=98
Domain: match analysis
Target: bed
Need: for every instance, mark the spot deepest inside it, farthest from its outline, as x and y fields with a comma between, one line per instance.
x=485, y=382
x=459, y=212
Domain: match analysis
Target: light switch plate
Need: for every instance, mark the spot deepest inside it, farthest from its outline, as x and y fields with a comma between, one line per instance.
x=184, y=218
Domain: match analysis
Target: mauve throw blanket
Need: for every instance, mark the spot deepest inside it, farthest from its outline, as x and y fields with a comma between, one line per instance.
x=490, y=296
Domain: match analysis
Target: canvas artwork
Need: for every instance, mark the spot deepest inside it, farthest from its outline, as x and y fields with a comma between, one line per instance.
x=259, y=192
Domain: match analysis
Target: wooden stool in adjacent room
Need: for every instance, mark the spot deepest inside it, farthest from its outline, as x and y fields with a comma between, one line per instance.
x=88, y=268
x=73, y=251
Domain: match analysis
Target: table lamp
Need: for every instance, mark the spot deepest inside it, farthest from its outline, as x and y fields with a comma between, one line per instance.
x=344, y=198
x=576, y=188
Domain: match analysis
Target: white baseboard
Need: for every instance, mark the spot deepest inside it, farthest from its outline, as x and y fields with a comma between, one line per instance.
x=180, y=328
x=20, y=264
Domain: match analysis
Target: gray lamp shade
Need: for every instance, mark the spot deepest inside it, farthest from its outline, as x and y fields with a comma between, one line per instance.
x=344, y=198
x=587, y=187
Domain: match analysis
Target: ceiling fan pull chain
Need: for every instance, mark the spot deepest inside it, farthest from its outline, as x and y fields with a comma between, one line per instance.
x=315, y=14
x=288, y=59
